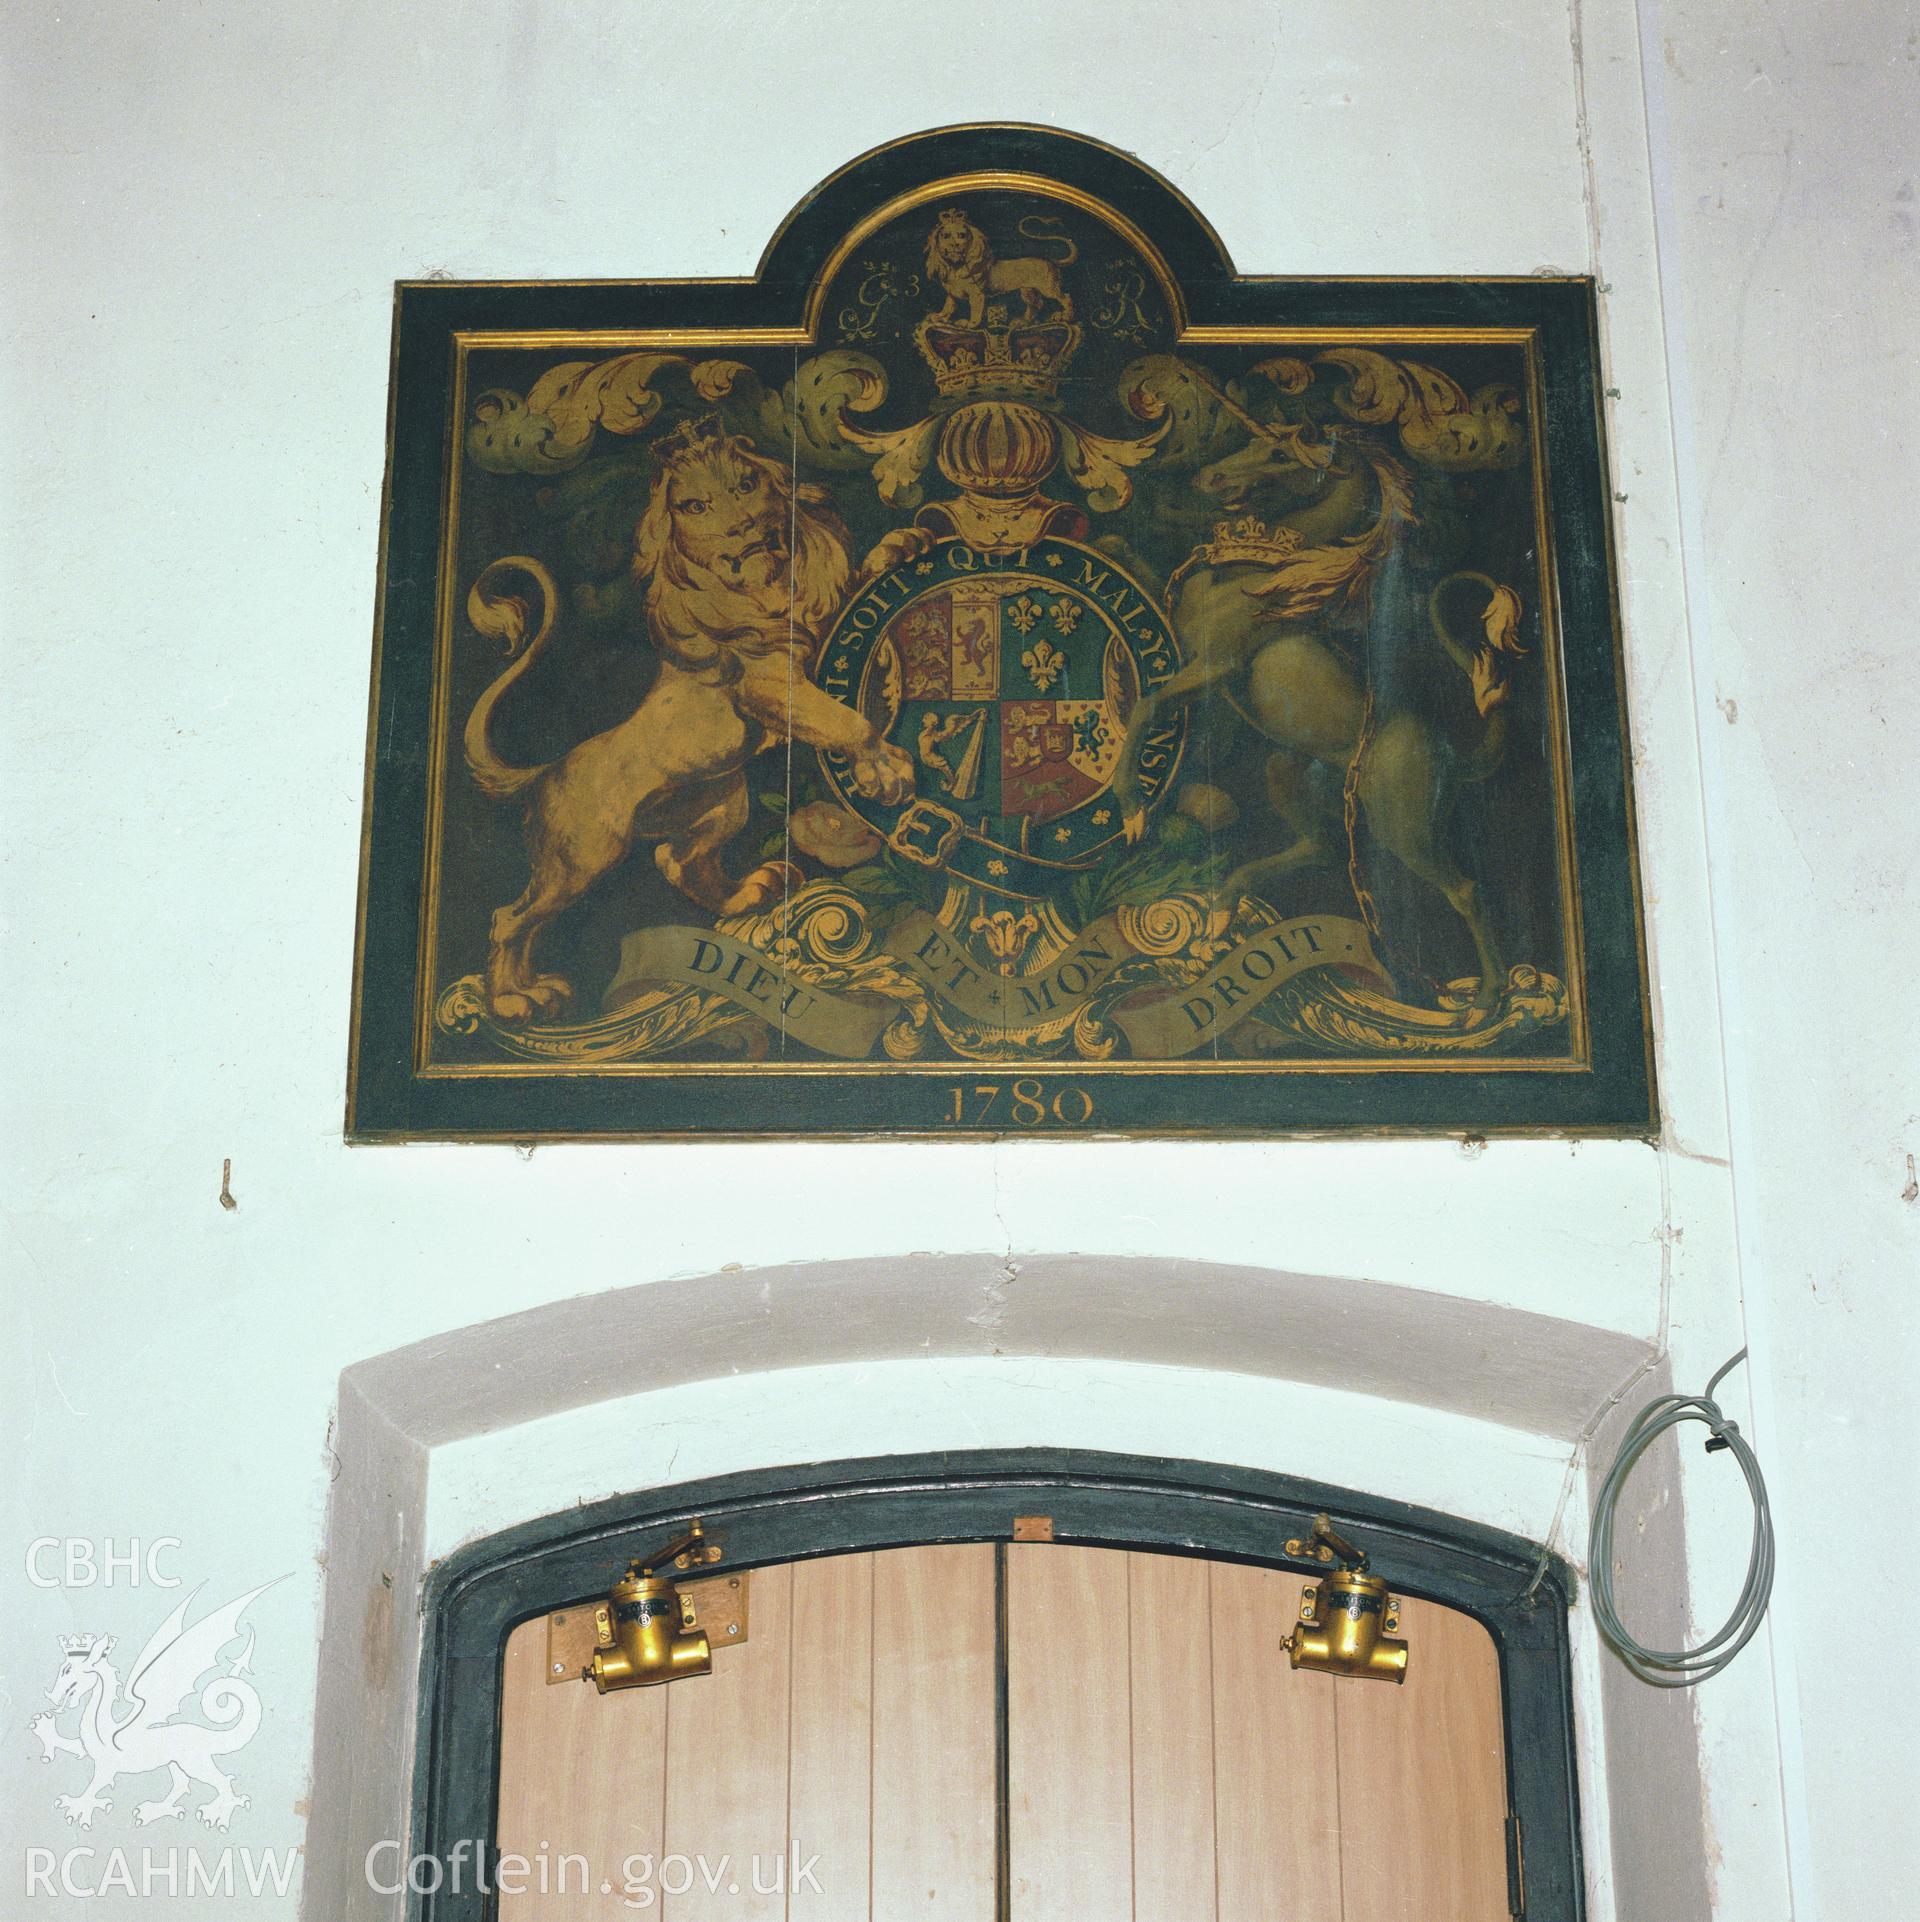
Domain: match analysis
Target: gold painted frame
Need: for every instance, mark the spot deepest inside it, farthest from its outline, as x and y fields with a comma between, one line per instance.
x=1603, y=1073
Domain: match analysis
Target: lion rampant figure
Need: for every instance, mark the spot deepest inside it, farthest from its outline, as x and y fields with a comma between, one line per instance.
x=148, y=1737
x=961, y=263
x=745, y=569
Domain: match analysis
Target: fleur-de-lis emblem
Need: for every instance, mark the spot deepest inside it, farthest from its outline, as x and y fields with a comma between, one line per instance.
x=1066, y=615
x=1005, y=936
x=1023, y=613
x=1043, y=662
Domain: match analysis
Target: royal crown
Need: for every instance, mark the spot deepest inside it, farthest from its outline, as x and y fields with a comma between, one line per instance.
x=78, y=1644
x=699, y=436
x=998, y=357
x=1249, y=539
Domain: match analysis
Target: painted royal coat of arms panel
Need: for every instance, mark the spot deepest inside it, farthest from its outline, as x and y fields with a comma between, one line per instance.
x=998, y=671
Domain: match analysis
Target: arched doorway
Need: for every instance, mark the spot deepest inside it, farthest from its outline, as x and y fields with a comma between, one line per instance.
x=1028, y=1741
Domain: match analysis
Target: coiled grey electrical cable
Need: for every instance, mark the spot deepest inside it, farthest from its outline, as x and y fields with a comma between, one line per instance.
x=1682, y=1668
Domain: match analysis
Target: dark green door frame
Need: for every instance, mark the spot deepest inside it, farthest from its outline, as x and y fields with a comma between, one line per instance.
x=477, y=1597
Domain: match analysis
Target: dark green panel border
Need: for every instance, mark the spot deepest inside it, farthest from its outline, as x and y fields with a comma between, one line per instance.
x=476, y=1598
x=387, y=1101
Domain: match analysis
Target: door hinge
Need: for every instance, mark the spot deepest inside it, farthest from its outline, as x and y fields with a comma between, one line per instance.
x=1516, y=1869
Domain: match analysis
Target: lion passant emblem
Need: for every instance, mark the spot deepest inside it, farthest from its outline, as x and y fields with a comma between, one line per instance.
x=961, y=262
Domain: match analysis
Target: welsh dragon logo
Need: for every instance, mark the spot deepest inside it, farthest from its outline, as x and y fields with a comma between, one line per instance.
x=136, y=1728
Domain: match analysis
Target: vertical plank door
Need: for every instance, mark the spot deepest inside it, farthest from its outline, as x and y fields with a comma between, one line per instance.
x=831, y=1786
x=582, y=1776
x=935, y=1734
x=724, y=1848
x=1276, y=1805
x=1170, y=1673
x=1162, y=1761
x=853, y=1734
x=1069, y=1735
x=1167, y=1765
x=1423, y=1780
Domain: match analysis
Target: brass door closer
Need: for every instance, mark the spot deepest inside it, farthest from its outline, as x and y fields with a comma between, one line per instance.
x=644, y=1632
x=1348, y=1618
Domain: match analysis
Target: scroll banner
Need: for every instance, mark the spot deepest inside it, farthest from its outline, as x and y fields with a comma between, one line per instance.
x=1164, y=1027
x=944, y=968
x=846, y=1025
x=1160, y=1026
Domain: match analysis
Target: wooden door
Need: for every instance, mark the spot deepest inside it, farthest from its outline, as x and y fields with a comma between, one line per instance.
x=1166, y=1765
x=1033, y=1732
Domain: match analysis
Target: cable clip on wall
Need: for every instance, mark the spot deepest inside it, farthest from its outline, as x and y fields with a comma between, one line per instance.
x=1682, y=1667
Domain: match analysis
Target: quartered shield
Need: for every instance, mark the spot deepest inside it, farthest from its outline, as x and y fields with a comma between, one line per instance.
x=1010, y=681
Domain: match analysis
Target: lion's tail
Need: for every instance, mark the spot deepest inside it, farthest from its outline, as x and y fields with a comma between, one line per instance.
x=503, y=617
x=1049, y=232
x=1487, y=664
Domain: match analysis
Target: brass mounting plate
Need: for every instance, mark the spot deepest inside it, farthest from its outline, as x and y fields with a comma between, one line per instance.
x=719, y=1607
x=1033, y=1528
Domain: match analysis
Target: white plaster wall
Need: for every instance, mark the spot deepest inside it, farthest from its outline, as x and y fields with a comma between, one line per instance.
x=1785, y=143
x=850, y=1412
x=204, y=211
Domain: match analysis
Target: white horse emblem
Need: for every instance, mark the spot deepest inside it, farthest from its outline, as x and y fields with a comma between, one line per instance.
x=146, y=1737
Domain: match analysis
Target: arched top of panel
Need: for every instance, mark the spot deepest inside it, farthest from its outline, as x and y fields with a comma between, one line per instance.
x=1075, y=688
x=1150, y=228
